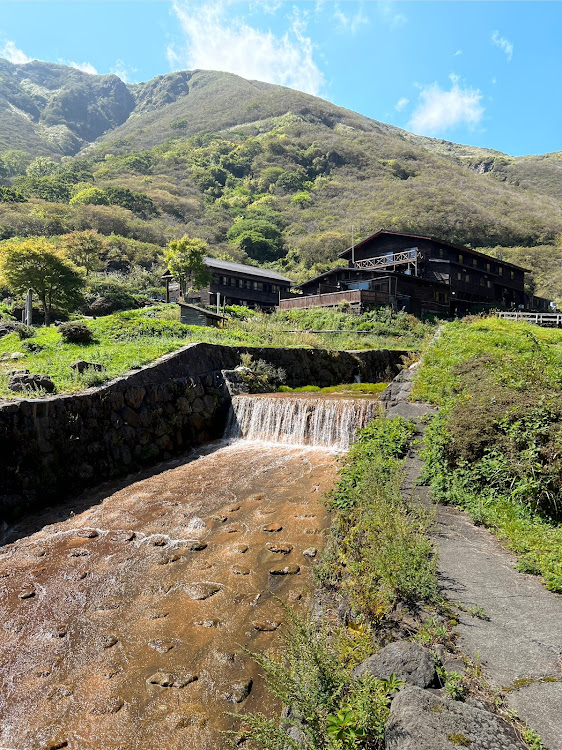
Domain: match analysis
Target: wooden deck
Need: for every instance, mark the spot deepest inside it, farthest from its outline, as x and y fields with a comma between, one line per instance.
x=356, y=297
x=546, y=320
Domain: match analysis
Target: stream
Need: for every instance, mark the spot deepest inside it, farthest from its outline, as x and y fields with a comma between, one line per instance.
x=125, y=617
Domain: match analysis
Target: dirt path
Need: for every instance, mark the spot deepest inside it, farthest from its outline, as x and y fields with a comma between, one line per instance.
x=519, y=644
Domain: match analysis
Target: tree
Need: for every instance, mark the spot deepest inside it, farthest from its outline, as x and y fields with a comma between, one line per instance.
x=43, y=167
x=186, y=261
x=90, y=196
x=35, y=264
x=84, y=249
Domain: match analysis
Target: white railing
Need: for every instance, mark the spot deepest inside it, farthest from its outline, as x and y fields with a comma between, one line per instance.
x=390, y=259
x=553, y=319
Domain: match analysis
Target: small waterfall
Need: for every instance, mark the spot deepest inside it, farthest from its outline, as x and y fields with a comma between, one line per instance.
x=292, y=420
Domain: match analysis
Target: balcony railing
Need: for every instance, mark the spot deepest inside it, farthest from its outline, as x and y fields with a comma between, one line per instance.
x=390, y=259
x=333, y=299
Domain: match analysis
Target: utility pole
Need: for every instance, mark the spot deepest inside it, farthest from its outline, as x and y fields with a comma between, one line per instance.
x=28, y=308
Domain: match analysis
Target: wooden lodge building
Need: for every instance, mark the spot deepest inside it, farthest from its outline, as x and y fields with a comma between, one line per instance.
x=420, y=274
x=234, y=284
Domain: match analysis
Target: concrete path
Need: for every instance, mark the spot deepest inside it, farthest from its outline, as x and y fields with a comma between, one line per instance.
x=520, y=646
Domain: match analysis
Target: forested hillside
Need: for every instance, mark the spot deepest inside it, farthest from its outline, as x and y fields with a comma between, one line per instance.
x=262, y=173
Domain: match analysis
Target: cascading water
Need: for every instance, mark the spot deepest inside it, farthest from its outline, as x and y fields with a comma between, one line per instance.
x=295, y=420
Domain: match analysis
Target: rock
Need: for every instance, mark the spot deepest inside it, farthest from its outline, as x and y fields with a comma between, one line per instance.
x=240, y=548
x=234, y=528
x=108, y=640
x=238, y=691
x=159, y=541
x=281, y=549
x=80, y=365
x=207, y=623
x=27, y=382
x=130, y=417
x=233, y=509
x=220, y=519
x=240, y=571
x=196, y=546
x=422, y=720
x=105, y=706
x=273, y=527
x=27, y=593
x=310, y=552
x=123, y=536
x=288, y=716
x=86, y=533
x=167, y=680
x=55, y=744
x=288, y=570
x=202, y=590
x=266, y=626
x=409, y=662
x=161, y=646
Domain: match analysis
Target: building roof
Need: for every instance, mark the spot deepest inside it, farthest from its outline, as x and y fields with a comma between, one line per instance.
x=227, y=265
x=461, y=248
x=203, y=310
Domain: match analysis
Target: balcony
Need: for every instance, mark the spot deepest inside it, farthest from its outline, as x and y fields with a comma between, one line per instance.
x=356, y=297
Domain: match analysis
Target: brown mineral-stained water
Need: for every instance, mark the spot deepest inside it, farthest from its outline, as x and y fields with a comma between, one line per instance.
x=125, y=625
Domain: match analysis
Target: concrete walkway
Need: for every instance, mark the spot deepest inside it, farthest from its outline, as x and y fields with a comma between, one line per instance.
x=520, y=646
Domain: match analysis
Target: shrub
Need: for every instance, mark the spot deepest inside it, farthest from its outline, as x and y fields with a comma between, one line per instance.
x=25, y=332
x=75, y=332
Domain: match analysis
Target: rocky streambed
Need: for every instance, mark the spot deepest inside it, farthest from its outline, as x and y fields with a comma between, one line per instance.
x=125, y=617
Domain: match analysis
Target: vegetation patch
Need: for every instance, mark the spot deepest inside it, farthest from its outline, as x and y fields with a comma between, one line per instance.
x=494, y=449
x=351, y=388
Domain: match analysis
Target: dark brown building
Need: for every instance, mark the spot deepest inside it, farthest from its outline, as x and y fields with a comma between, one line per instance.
x=423, y=275
x=234, y=284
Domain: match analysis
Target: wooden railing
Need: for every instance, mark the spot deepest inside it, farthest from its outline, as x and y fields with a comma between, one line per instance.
x=389, y=259
x=353, y=296
x=547, y=320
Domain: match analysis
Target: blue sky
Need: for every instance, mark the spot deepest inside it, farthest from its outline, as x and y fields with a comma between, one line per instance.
x=483, y=73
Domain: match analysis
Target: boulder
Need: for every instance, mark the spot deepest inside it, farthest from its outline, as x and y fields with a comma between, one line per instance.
x=23, y=381
x=422, y=720
x=408, y=661
x=81, y=364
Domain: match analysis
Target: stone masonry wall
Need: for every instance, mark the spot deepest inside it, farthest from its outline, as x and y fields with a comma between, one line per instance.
x=54, y=446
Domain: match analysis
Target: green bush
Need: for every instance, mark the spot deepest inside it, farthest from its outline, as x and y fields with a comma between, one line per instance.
x=75, y=332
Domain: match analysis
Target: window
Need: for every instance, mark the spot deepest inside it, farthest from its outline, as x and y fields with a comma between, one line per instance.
x=482, y=282
x=512, y=274
x=475, y=262
x=441, y=252
x=489, y=284
x=467, y=278
x=461, y=259
x=254, y=285
x=459, y=275
x=500, y=270
x=488, y=268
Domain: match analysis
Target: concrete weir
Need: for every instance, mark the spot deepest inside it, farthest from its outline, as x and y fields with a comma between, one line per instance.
x=56, y=446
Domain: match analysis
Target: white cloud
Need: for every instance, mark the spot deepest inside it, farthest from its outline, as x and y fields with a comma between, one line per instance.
x=351, y=23
x=215, y=42
x=458, y=52
x=395, y=20
x=441, y=110
x=85, y=67
x=401, y=104
x=13, y=54
x=123, y=70
x=502, y=43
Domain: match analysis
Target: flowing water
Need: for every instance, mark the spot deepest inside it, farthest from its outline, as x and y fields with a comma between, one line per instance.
x=124, y=616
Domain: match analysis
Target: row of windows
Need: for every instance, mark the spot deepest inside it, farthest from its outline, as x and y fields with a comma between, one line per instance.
x=466, y=278
x=440, y=297
x=247, y=284
x=479, y=263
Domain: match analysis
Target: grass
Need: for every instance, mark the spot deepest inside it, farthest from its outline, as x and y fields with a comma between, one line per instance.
x=494, y=448
x=131, y=339
x=360, y=388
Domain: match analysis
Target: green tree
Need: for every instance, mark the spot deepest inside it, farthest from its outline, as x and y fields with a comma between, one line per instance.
x=15, y=161
x=186, y=261
x=35, y=264
x=259, y=238
x=90, y=196
x=43, y=167
x=84, y=249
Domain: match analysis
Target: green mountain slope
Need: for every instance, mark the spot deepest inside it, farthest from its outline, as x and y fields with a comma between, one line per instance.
x=263, y=173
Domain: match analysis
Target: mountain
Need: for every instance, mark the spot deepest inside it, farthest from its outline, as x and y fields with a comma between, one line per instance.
x=198, y=152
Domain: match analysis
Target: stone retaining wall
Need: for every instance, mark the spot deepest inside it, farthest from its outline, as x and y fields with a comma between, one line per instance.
x=54, y=446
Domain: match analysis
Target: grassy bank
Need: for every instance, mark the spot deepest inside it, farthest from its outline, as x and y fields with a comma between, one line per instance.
x=377, y=555
x=131, y=339
x=495, y=447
